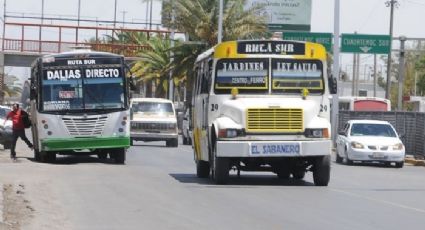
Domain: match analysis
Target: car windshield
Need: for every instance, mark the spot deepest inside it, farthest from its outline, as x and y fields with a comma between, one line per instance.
x=382, y=130
x=157, y=108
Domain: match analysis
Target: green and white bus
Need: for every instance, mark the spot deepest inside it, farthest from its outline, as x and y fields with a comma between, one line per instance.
x=80, y=105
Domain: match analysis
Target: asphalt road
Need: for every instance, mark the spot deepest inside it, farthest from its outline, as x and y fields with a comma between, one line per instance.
x=158, y=189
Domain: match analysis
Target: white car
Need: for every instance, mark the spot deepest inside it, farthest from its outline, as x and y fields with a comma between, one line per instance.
x=6, y=134
x=153, y=119
x=369, y=141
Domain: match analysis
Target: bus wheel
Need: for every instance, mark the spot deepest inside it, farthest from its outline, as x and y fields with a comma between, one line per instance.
x=298, y=174
x=102, y=156
x=220, y=168
x=322, y=170
x=37, y=156
x=47, y=157
x=202, y=169
x=283, y=170
x=119, y=155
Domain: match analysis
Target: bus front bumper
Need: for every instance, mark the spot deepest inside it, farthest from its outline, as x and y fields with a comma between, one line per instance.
x=273, y=148
x=59, y=144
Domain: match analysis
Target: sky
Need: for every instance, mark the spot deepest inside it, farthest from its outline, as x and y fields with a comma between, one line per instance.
x=361, y=16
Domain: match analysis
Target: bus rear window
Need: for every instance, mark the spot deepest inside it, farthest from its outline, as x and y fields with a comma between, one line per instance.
x=247, y=75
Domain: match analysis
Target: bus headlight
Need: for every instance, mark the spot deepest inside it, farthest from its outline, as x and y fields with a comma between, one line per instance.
x=317, y=133
x=229, y=133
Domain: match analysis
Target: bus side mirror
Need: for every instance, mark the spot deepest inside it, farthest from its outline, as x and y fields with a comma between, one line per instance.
x=333, y=85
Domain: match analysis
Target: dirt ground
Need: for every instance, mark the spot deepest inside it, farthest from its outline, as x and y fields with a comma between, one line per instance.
x=17, y=211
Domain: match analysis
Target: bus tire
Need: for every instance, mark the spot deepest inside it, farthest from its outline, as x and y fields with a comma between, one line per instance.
x=47, y=157
x=102, y=156
x=220, y=168
x=202, y=169
x=119, y=155
x=37, y=156
x=282, y=170
x=322, y=170
x=298, y=174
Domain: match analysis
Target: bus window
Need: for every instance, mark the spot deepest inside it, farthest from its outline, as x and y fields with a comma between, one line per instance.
x=292, y=76
x=247, y=75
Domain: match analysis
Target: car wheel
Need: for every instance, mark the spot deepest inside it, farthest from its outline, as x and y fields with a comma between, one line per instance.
x=202, y=169
x=220, y=168
x=399, y=164
x=338, y=158
x=322, y=170
x=347, y=160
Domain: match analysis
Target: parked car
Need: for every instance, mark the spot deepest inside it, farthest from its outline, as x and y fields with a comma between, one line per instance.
x=153, y=119
x=5, y=129
x=186, y=130
x=369, y=141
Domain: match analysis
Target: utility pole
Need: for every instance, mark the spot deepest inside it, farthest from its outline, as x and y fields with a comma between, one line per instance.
x=335, y=73
x=115, y=14
x=123, y=17
x=401, y=74
x=150, y=16
x=220, y=22
x=391, y=4
x=170, y=80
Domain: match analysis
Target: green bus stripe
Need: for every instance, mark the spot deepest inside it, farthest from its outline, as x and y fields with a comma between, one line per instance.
x=56, y=144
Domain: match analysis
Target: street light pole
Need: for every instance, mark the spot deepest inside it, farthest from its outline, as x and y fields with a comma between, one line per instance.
x=220, y=22
x=115, y=14
x=390, y=4
x=335, y=71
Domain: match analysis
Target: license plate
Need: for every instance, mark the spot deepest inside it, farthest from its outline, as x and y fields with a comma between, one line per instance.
x=378, y=155
x=275, y=149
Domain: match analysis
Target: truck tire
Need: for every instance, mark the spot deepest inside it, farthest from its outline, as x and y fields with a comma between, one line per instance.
x=220, y=168
x=202, y=169
x=322, y=170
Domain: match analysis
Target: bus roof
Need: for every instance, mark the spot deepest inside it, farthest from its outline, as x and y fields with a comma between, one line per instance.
x=79, y=53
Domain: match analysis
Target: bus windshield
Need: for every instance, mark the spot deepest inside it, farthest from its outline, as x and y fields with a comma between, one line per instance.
x=292, y=75
x=82, y=89
x=248, y=75
x=251, y=75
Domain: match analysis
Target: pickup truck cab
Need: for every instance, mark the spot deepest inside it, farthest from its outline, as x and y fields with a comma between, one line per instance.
x=153, y=119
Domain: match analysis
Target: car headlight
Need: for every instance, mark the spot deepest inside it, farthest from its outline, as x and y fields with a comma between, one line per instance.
x=317, y=133
x=357, y=145
x=398, y=146
x=172, y=126
x=229, y=133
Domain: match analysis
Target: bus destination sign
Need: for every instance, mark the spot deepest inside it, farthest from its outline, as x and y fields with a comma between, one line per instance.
x=271, y=47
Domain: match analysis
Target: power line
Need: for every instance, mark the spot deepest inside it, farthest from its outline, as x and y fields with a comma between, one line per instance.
x=414, y=2
x=374, y=8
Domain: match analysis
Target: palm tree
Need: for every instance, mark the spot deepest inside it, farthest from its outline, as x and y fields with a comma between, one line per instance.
x=199, y=20
x=155, y=64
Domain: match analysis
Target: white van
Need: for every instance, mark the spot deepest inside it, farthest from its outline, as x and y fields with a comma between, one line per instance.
x=153, y=119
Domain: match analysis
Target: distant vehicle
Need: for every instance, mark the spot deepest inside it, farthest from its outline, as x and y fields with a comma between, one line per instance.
x=186, y=129
x=6, y=134
x=369, y=141
x=153, y=119
x=364, y=103
x=80, y=105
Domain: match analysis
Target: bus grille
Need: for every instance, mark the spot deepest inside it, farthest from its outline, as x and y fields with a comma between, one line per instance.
x=89, y=126
x=275, y=120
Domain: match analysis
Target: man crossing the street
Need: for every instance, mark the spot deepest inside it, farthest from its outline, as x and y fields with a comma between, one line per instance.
x=18, y=128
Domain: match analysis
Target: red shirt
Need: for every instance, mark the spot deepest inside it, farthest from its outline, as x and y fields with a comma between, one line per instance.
x=16, y=119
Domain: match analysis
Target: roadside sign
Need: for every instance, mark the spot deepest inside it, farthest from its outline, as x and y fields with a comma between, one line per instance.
x=323, y=38
x=365, y=43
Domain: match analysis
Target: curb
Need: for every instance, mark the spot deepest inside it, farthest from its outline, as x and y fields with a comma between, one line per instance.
x=1, y=203
x=414, y=162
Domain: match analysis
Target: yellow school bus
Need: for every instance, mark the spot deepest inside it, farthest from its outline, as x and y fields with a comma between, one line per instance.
x=262, y=105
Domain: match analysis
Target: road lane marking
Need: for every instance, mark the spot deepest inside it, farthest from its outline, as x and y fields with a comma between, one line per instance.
x=379, y=201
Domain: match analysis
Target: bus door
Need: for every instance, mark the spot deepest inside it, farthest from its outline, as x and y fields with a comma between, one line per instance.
x=200, y=112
